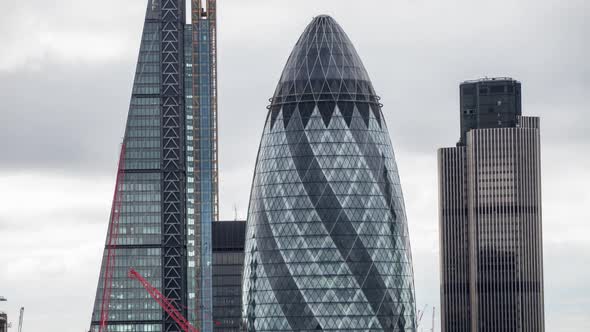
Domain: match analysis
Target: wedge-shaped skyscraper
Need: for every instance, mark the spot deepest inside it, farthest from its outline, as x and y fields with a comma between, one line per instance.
x=166, y=196
x=327, y=243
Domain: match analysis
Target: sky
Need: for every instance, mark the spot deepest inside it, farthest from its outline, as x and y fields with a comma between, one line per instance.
x=66, y=70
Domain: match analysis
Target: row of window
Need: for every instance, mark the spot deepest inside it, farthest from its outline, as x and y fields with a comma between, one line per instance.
x=143, y=132
x=143, y=143
x=144, y=111
x=130, y=328
x=147, y=186
x=141, y=208
x=144, y=121
x=142, y=154
x=144, y=89
x=142, y=101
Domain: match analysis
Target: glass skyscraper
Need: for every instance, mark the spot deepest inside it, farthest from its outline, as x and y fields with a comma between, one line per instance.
x=490, y=215
x=327, y=245
x=166, y=194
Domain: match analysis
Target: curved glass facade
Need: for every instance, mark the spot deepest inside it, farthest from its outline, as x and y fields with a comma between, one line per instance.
x=327, y=238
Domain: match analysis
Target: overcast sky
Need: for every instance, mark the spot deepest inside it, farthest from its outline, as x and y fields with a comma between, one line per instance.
x=66, y=70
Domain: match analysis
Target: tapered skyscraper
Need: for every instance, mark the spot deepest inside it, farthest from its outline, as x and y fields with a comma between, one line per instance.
x=327, y=244
x=490, y=215
x=166, y=193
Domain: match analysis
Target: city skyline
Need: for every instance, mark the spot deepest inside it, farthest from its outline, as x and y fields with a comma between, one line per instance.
x=49, y=157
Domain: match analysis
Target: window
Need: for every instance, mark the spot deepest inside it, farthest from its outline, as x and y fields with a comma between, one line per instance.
x=469, y=91
x=497, y=89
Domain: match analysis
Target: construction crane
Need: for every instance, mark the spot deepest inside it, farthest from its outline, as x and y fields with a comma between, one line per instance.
x=163, y=302
x=433, y=314
x=420, y=315
x=112, y=236
x=20, y=319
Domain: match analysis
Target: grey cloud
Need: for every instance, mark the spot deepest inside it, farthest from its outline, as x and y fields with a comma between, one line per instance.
x=566, y=286
x=65, y=216
x=63, y=117
x=73, y=114
x=69, y=29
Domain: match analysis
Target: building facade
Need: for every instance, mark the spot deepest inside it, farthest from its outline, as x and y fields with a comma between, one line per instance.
x=228, y=264
x=166, y=192
x=490, y=215
x=327, y=245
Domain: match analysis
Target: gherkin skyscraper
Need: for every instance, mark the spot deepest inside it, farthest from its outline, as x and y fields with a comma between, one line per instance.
x=327, y=243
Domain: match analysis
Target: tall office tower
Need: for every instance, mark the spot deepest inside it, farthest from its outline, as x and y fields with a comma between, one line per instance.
x=490, y=215
x=166, y=192
x=228, y=264
x=327, y=245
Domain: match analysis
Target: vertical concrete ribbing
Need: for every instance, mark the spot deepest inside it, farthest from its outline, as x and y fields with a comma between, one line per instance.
x=504, y=210
x=453, y=236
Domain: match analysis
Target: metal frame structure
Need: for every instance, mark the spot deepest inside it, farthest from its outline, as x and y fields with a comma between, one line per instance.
x=173, y=159
x=204, y=22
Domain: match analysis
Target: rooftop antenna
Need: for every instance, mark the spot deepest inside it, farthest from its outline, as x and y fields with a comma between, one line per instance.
x=235, y=212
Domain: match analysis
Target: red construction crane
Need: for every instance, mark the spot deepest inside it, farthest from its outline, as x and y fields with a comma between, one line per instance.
x=420, y=315
x=163, y=302
x=112, y=236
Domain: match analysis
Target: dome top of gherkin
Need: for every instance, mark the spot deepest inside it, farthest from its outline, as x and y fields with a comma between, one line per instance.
x=324, y=65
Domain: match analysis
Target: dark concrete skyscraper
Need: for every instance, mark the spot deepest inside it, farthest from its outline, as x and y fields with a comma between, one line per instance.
x=490, y=215
x=228, y=265
x=327, y=245
x=166, y=193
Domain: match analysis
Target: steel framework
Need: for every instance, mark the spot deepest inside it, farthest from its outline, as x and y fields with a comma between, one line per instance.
x=204, y=22
x=173, y=165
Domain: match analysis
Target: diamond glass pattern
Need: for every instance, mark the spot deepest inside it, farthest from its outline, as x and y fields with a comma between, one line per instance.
x=327, y=238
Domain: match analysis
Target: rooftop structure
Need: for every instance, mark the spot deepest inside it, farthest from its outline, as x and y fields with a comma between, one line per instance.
x=489, y=103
